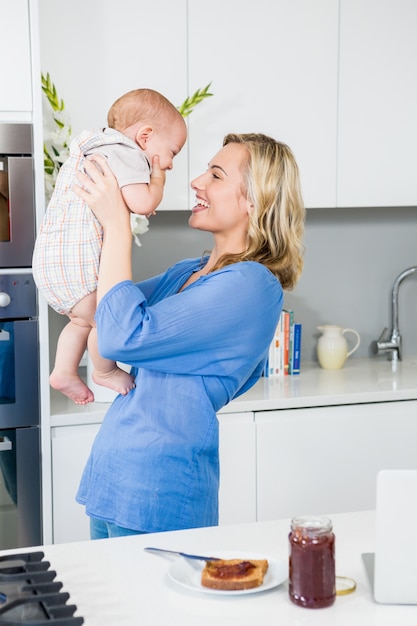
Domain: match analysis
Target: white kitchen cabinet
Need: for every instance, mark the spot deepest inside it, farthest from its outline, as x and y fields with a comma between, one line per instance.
x=237, y=492
x=71, y=446
x=273, y=67
x=325, y=460
x=377, y=103
x=16, y=79
x=333, y=79
x=126, y=44
x=338, y=86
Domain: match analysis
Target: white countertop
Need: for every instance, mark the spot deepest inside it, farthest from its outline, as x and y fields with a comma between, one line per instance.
x=361, y=380
x=114, y=582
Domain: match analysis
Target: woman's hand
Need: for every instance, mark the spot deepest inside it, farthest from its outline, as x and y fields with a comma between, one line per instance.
x=102, y=194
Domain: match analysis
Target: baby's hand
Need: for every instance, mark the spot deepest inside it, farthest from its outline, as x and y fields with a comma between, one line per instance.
x=157, y=175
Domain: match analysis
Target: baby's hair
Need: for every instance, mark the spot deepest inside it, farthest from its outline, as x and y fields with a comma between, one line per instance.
x=141, y=105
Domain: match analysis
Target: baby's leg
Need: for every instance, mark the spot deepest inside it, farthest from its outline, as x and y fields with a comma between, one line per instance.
x=71, y=346
x=106, y=372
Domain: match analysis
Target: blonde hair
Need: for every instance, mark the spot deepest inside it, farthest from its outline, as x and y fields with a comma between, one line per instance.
x=276, y=223
x=144, y=105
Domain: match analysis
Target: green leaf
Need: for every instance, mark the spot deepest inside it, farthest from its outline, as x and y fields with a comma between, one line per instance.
x=50, y=92
x=58, y=122
x=191, y=102
x=48, y=162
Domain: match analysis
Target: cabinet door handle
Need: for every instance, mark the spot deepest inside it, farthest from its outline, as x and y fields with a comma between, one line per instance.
x=5, y=444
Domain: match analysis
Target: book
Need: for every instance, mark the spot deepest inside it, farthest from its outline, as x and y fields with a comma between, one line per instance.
x=296, y=353
x=273, y=366
x=291, y=347
x=284, y=354
x=277, y=348
x=287, y=323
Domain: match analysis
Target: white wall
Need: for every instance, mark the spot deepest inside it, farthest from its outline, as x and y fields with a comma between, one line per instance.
x=352, y=259
x=352, y=255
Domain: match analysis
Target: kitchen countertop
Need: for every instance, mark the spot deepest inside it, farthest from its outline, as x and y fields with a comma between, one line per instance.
x=361, y=380
x=115, y=582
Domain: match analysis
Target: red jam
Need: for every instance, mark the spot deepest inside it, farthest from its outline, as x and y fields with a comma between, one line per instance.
x=312, y=562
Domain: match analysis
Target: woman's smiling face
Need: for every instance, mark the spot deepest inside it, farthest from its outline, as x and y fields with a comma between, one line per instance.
x=221, y=205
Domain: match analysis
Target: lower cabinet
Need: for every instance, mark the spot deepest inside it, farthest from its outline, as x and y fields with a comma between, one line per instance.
x=237, y=451
x=71, y=446
x=325, y=460
x=273, y=464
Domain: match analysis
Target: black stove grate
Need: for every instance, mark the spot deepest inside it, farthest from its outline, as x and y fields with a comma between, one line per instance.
x=29, y=593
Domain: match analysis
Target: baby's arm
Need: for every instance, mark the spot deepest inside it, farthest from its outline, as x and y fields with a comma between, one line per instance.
x=143, y=198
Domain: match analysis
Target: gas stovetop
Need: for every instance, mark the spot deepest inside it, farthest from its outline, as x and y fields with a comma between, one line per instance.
x=29, y=593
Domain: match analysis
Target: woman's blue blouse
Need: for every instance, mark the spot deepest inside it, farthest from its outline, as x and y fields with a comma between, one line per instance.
x=154, y=464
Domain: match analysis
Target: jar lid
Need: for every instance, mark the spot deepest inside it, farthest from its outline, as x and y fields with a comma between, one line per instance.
x=312, y=523
x=344, y=585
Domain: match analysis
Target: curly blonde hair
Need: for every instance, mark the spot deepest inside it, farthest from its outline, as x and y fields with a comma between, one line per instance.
x=276, y=223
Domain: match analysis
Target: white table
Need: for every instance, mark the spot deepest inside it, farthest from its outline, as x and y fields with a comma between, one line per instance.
x=114, y=582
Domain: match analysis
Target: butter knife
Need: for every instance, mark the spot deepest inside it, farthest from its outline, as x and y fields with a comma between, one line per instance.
x=197, y=557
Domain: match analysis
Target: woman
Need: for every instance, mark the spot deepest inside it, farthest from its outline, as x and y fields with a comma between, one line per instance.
x=197, y=336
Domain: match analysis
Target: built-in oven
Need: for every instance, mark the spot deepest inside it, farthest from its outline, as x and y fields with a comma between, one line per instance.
x=20, y=459
x=20, y=468
x=17, y=197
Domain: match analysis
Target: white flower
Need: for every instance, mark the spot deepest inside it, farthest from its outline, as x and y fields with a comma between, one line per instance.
x=139, y=225
x=62, y=156
x=49, y=184
x=60, y=136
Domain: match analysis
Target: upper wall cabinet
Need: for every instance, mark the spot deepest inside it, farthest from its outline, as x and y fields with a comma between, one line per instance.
x=334, y=79
x=274, y=71
x=377, y=103
x=96, y=51
x=16, y=81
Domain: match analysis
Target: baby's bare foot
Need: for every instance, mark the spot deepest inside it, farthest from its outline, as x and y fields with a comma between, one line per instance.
x=117, y=379
x=72, y=386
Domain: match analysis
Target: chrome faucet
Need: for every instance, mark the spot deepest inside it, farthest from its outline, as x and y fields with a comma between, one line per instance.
x=392, y=342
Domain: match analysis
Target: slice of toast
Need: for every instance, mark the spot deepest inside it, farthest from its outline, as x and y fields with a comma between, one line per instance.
x=234, y=574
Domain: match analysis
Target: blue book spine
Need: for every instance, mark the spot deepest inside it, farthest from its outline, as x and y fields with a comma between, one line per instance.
x=296, y=361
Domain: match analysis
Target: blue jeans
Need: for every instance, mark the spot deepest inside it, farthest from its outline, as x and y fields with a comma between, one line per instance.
x=100, y=529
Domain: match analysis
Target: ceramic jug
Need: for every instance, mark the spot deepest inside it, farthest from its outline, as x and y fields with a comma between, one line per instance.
x=332, y=347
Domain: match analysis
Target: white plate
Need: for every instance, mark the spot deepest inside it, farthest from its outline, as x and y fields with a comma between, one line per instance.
x=187, y=573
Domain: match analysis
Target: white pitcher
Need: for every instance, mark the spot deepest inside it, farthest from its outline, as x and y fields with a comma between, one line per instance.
x=332, y=347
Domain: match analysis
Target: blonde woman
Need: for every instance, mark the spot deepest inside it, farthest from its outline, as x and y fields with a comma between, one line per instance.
x=197, y=335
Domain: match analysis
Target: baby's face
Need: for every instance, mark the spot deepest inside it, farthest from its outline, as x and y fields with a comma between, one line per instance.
x=166, y=142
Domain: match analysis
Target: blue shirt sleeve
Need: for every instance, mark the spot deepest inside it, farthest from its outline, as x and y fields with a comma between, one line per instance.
x=149, y=285
x=221, y=325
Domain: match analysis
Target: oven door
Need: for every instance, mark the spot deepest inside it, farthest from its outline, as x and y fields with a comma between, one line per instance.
x=19, y=373
x=17, y=196
x=20, y=497
x=17, y=212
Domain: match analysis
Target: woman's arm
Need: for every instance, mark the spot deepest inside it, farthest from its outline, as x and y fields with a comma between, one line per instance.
x=102, y=194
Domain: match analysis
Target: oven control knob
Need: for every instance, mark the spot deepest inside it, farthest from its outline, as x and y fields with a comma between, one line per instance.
x=4, y=299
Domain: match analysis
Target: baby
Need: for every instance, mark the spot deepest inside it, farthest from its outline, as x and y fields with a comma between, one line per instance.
x=141, y=124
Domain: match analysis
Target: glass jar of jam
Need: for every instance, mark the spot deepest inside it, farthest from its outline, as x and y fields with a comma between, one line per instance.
x=312, y=575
